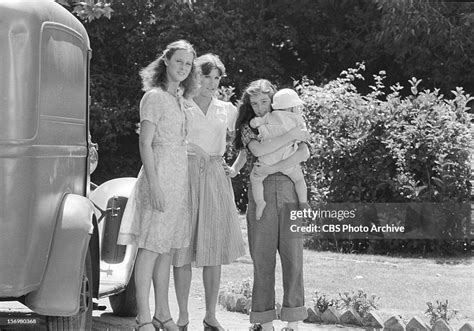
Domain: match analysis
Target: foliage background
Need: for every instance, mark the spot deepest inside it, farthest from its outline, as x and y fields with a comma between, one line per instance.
x=386, y=148
x=281, y=40
x=284, y=41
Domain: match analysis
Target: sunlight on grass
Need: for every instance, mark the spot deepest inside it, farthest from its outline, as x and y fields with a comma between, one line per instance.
x=404, y=285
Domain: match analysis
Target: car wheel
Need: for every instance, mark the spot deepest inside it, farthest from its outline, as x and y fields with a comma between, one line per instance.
x=124, y=303
x=83, y=320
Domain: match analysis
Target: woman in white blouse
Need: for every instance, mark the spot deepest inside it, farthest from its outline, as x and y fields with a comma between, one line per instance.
x=216, y=236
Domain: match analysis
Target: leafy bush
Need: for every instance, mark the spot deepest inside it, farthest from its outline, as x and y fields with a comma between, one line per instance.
x=439, y=311
x=384, y=148
x=275, y=40
x=239, y=183
x=243, y=287
x=360, y=302
x=322, y=302
x=237, y=296
x=114, y=128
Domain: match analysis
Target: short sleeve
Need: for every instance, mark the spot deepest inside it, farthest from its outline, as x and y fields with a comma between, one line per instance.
x=150, y=106
x=231, y=116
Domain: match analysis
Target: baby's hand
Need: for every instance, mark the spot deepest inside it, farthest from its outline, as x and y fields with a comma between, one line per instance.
x=254, y=122
x=299, y=134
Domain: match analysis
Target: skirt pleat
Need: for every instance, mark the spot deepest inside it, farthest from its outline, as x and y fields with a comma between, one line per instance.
x=216, y=237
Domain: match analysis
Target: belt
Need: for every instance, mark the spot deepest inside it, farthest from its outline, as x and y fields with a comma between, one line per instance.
x=201, y=164
x=170, y=143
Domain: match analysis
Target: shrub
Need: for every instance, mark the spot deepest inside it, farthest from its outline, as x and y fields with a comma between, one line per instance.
x=243, y=287
x=113, y=127
x=237, y=296
x=239, y=183
x=360, y=302
x=386, y=148
x=438, y=311
x=322, y=302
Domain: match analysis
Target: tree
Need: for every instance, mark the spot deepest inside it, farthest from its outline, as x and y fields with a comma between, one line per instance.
x=429, y=39
x=133, y=37
x=88, y=10
x=280, y=40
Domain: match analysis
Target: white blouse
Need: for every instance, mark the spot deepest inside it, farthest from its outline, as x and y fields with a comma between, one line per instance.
x=208, y=131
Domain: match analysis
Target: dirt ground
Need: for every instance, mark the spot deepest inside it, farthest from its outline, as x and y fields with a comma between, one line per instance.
x=104, y=320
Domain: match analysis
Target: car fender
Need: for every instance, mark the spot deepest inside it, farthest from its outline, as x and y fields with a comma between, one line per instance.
x=114, y=275
x=59, y=292
x=115, y=187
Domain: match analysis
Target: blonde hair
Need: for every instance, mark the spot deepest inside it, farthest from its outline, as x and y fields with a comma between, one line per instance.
x=154, y=74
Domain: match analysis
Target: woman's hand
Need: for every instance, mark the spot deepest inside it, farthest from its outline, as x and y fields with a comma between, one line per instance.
x=203, y=160
x=299, y=134
x=232, y=172
x=261, y=169
x=157, y=198
x=229, y=171
x=202, y=157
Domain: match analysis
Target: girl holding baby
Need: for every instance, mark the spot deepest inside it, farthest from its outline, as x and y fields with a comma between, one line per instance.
x=266, y=235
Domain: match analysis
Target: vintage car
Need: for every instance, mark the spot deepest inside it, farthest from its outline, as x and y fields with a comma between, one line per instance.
x=58, y=231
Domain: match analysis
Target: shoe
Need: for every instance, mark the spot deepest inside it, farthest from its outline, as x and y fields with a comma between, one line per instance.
x=140, y=325
x=258, y=327
x=159, y=325
x=209, y=327
x=183, y=327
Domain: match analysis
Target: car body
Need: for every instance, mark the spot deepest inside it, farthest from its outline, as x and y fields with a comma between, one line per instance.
x=52, y=228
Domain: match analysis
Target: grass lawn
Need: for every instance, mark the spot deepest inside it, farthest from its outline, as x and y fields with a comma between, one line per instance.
x=404, y=285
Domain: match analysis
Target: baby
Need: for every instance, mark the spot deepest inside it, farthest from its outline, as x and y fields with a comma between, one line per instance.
x=285, y=116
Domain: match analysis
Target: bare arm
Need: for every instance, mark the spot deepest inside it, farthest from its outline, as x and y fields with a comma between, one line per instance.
x=147, y=130
x=238, y=163
x=301, y=155
x=270, y=145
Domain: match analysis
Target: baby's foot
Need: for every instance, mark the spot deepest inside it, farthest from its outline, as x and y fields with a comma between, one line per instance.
x=259, y=210
x=293, y=326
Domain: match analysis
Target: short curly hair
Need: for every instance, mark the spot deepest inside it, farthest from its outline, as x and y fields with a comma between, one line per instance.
x=207, y=62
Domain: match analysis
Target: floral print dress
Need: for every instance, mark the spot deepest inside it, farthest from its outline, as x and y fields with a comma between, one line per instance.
x=161, y=232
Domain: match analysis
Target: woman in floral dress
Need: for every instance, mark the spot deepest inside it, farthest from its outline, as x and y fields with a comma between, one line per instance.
x=157, y=215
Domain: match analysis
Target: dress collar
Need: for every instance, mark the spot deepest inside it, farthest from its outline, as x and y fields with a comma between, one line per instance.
x=210, y=109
